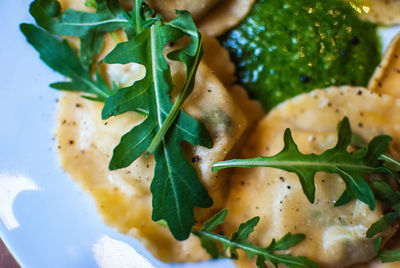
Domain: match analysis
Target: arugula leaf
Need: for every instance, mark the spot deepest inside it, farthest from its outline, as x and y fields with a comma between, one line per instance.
x=386, y=255
x=389, y=255
x=385, y=193
x=377, y=245
x=59, y=56
x=89, y=27
x=175, y=187
x=351, y=167
x=239, y=240
x=388, y=161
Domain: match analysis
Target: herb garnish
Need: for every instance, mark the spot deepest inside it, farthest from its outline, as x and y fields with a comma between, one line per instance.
x=59, y=56
x=385, y=193
x=89, y=27
x=239, y=240
x=350, y=166
x=175, y=187
x=386, y=255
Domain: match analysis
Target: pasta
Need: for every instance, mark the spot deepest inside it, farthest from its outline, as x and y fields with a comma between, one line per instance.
x=335, y=236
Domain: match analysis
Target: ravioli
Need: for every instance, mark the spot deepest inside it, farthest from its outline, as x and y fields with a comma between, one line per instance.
x=225, y=16
x=123, y=197
x=214, y=17
x=379, y=11
x=386, y=78
x=335, y=237
x=198, y=8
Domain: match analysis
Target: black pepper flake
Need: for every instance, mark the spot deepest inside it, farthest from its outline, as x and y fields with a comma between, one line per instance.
x=398, y=71
x=209, y=90
x=282, y=179
x=78, y=105
x=355, y=40
x=304, y=79
x=360, y=124
x=359, y=93
x=106, y=123
x=329, y=104
x=147, y=166
x=71, y=142
x=242, y=183
x=288, y=187
x=195, y=159
x=379, y=84
x=396, y=56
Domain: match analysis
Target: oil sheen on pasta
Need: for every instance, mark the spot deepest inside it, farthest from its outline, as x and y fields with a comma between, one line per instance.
x=286, y=47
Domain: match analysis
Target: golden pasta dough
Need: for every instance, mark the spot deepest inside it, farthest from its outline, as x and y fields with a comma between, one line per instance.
x=335, y=237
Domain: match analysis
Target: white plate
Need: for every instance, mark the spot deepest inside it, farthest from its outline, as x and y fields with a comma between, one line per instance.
x=46, y=220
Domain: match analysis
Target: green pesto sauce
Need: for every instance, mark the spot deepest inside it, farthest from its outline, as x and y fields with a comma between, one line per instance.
x=287, y=47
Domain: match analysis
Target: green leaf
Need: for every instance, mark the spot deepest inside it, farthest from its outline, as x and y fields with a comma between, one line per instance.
x=377, y=147
x=351, y=167
x=240, y=236
x=209, y=244
x=345, y=198
x=89, y=27
x=383, y=223
x=389, y=255
x=244, y=230
x=215, y=221
x=388, y=161
x=385, y=193
x=209, y=241
x=175, y=187
x=59, y=56
x=286, y=242
x=377, y=245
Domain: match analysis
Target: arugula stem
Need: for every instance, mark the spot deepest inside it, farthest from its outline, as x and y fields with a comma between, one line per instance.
x=263, y=162
x=357, y=140
x=138, y=16
x=177, y=105
x=225, y=241
x=93, y=24
x=388, y=159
